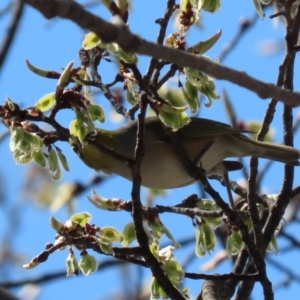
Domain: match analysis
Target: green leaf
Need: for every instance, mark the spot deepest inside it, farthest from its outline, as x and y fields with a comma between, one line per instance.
x=168, y=108
x=190, y=93
x=57, y=174
x=170, y=236
x=25, y=158
x=128, y=57
x=199, y=246
x=17, y=154
x=209, y=237
x=39, y=158
x=113, y=48
x=24, y=146
x=39, y=71
x=91, y=40
x=173, y=268
x=82, y=218
x=157, y=291
x=211, y=5
x=35, y=141
x=132, y=95
x=64, y=78
x=111, y=234
x=132, y=98
x=154, y=248
x=203, y=82
x=81, y=134
x=62, y=159
x=73, y=127
x=236, y=239
x=46, y=102
x=213, y=221
x=55, y=224
x=129, y=234
x=17, y=135
x=157, y=227
x=10, y=104
x=96, y=112
x=203, y=46
x=174, y=120
x=72, y=265
x=105, y=245
x=229, y=247
x=257, y=5
x=53, y=161
x=88, y=264
x=191, y=74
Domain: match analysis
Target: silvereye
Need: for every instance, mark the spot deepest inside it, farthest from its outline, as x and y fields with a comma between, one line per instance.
x=206, y=143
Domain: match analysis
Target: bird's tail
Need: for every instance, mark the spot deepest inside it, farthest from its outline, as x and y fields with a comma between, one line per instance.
x=282, y=153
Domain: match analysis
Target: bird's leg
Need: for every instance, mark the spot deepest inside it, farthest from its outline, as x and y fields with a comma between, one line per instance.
x=222, y=169
x=226, y=179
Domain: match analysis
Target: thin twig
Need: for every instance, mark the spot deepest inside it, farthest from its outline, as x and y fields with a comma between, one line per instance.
x=163, y=22
x=16, y=16
x=245, y=24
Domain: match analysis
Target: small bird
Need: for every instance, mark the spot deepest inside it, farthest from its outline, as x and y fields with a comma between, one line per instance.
x=206, y=142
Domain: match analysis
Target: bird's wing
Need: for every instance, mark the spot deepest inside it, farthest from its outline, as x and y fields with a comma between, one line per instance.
x=199, y=127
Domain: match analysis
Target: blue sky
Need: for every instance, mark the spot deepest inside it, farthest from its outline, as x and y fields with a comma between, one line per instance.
x=51, y=44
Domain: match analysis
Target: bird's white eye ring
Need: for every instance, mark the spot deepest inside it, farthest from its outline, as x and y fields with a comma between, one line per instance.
x=92, y=135
x=75, y=149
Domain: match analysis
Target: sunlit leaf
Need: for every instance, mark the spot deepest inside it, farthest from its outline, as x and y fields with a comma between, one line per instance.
x=82, y=218
x=46, y=102
x=203, y=46
x=88, y=264
x=111, y=234
x=90, y=41
x=258, y=7
x=128, y=234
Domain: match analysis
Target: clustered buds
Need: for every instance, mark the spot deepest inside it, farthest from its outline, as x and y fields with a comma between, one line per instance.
x=78, y=233
x=27, y=146
x=171, y=267
x=203, y=83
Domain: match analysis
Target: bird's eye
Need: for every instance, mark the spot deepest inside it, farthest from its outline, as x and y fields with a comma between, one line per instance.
x=92, y=135
x=75, y=148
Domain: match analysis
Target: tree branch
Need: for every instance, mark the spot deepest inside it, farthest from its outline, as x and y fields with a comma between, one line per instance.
x=120, y=34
